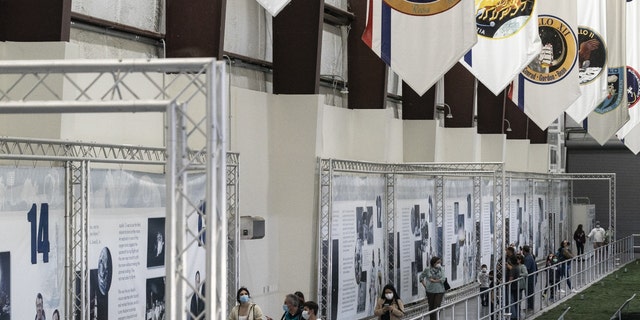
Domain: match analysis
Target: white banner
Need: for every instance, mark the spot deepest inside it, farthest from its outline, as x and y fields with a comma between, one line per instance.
x=415, y=221
x=592, y=58
x=550, y=84
x=408, y=36
x=632, y=141
x=612, y=113
x=459, y=232
x=508, y=41
x=273, y=6
x=357, y=234
x=32, y=243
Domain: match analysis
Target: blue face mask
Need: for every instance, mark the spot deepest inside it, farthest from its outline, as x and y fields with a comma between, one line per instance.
x=285, y=308
x=244, y=299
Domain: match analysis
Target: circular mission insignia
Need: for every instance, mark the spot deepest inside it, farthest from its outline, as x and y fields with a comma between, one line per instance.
x=558, y=55
x=633, y=86
x=592, y=55
x=501, y=18
x=421, y=7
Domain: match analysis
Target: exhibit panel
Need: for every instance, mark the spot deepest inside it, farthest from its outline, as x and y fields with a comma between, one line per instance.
x=416, y=233
x=358, y=224
x=517, y=212
x=487, y=223
x=459, y=231
x=32, y=242
x=541, y=241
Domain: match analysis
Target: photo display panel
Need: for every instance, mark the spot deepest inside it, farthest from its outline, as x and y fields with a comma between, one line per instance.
x=415, y=226
x=32, y=247
x=358, y=226
x=541, y=243
x=518, y=215
x=459, y=231
x=127, y=245
x=487, y=222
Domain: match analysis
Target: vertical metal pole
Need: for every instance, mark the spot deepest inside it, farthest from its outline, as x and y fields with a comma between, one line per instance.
x=174, y=227
x=391, y=227
x=76, y=235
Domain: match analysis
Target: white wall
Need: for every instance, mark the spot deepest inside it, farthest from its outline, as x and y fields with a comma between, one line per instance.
x=419, y=141
x=538, y=158
x=142, y=14
x=456, y=144
x=517, y=155
x=492, y=147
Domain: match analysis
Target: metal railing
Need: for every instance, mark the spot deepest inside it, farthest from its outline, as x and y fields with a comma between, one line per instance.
x=551, y=285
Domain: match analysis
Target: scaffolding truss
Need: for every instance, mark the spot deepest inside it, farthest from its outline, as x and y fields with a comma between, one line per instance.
x=193, y=94
x=330, y=167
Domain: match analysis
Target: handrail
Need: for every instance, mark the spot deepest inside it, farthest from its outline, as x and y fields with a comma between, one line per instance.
x=618, y=313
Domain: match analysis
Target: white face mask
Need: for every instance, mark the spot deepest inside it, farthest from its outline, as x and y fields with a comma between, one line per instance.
x=484, y=269
x=305, y=314
x=389, y=296
x=438, y=265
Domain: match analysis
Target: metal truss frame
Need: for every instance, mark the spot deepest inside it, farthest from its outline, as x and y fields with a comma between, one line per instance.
x=195, y=143
x=329, y=167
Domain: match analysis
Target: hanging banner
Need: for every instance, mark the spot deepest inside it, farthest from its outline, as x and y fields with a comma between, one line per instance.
x=407, y=35
x=357, y=236
x=416, y=225
x=508, y=41
x=612, y=113
x=632, y=141
x=592, y=58
x=273, y=6
x=32, y=243
x=550, y=84
x=460, y=248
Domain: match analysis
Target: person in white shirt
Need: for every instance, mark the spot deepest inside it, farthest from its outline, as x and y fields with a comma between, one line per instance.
x=597, y=235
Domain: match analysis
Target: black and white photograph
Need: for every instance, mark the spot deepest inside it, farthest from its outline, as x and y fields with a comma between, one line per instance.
x=415, y=220
x=5, y=285
x=364, y=215
x=98, y=302
x=362, y=292
x=155, y=302
x=155, y=242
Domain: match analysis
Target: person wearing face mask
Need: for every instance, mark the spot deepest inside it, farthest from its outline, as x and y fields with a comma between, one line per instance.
x=292, y=308
x=389, y=306
x=310, y=310
x=245, y=309
x=483, y=280
x=433, y=279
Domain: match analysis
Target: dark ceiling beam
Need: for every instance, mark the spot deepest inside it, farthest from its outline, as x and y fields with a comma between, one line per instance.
x=367, y=74
x=459, y=87
x=119, y=27
x=490, y=109
x=416, y=107
x=195, y=28
x=297, y=39
x=35, y=20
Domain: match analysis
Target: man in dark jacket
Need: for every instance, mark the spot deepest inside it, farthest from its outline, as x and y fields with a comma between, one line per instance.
x=530, y=263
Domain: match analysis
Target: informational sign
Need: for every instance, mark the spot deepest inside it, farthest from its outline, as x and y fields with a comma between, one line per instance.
x=518, y=224
x=487, y=223
x=459, y=231
x=358, y=245
x=417, y=236
x=32, y=247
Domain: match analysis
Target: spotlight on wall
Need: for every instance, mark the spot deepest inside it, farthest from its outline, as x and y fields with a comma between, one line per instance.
x=442, y=106
x=508, y=129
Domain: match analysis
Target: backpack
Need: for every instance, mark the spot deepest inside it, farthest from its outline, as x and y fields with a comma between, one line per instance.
x=560, y=255
x=522, y=281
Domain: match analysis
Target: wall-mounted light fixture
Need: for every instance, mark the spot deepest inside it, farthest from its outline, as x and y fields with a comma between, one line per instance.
x=441, y=106
x=508, y=129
